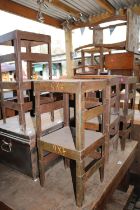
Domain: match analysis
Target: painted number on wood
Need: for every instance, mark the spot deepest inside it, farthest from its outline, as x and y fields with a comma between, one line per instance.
x=59, y=150
x=57, y=86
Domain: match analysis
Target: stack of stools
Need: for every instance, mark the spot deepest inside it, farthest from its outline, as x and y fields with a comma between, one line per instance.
x=95, y=65
x=26, y=48
x=128, y=92
x=112, y=112
x=80, y=144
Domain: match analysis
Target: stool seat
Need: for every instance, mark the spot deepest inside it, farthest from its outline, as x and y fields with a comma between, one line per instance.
x=63, y=138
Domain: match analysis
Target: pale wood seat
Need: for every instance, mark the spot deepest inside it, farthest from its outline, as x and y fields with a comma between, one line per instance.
x=64, y=138
x=75, y=144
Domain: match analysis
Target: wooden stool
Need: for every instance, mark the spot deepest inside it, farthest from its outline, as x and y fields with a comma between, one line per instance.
x=75, y=146
x=128, y=92
x=24, y=44
x=112, y=111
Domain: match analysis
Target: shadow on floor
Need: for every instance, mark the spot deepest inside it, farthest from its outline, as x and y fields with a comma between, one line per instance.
x=135, y=201
x=4, y=206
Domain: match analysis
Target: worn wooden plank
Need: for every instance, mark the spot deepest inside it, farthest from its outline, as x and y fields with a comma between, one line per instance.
x=93, y=85
x=108, y=186
x=9, y=85
x=14, y=85
x=70, y=85
x=33, y=37
x=98, y=142
x=48, y=107
x=115, y=46
x=128, y=79
x=94, y=112
x=119, y=200
x=7, y=58
x=56, y=86
x=111, y=79
x=93, y=168
x=58, y=178
x=91, y=126
x=27, y=85
x=36, y=57
x=15, y=106
x=63, y=144
x=4, y=40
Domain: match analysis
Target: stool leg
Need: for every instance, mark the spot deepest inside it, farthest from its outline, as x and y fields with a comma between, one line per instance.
x=115, y=144
x=79, y=183
x=52, y=116
x=122, y=141
x=123, y=138
x=52, y=112
x=41, y=167
x=101, y=171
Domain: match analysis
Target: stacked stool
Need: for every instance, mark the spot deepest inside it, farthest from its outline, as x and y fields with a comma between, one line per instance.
x=112, y=110
x=79, y=145
x=23, y=44
x=128, y=92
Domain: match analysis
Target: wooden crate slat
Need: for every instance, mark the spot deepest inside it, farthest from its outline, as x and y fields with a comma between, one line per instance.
x=92, y=169
x=94, y=112
x=120, y=200
x=7, y=58
x=15, y=106
x=51, y=106
x=9, y=85
x=36, y=57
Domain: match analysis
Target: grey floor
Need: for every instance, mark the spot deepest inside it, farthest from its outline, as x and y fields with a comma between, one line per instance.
x=22, y=193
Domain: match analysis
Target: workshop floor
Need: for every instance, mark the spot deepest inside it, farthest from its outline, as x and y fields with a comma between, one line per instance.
x=134, y=203
x=20, y=192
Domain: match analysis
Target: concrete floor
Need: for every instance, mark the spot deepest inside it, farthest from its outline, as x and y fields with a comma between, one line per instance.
x=22, y=193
